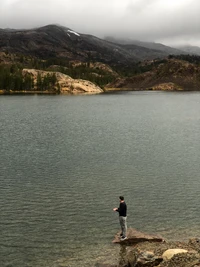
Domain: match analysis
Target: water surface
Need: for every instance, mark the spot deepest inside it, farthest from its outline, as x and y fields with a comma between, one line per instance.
x=66, y=159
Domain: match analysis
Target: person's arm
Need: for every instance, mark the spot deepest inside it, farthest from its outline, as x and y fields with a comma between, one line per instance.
x=117, y=209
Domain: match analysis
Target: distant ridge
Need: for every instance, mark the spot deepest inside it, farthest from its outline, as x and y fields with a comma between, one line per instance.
x=167, y=50
x=189, y=49
x=62, y=42
x=58, y=41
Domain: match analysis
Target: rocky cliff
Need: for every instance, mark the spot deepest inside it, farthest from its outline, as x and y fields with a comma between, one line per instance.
x=65, y=84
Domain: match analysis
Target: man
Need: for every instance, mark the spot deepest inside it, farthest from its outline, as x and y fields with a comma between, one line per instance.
x=122, y=217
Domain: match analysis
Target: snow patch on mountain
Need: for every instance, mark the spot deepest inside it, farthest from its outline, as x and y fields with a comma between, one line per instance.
x=74, y=32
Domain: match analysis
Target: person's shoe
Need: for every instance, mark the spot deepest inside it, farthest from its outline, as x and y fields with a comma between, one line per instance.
x=123, y=238
x=121, y=235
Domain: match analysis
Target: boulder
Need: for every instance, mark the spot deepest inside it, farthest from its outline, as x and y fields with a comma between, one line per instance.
x=145, y=259
x=168, y=254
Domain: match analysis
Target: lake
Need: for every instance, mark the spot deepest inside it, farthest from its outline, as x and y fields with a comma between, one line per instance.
x=66, y=159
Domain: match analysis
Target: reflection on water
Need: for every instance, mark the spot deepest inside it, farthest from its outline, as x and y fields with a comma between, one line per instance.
x=66, y=159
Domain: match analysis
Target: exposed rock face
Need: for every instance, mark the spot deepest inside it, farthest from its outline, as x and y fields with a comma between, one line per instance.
x=166, y=87
x=104, y=67
x=66, y=83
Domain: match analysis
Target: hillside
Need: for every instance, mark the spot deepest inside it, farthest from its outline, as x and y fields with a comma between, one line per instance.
x=57, y=49
x=189, y=49
x=169, y=74
x=160, y=49
x=57, y=41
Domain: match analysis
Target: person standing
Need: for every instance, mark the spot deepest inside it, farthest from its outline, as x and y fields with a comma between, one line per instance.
x=122, y=217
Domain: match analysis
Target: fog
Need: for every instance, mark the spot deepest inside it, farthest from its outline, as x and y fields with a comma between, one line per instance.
x=167, y=21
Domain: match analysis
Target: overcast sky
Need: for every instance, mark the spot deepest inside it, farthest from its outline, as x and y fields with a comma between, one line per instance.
x=166, y=21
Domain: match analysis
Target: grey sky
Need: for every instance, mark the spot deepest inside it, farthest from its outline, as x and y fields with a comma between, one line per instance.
x=166, y=21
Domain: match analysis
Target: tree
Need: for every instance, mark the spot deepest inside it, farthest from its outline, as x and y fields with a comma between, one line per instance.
x=39, y=83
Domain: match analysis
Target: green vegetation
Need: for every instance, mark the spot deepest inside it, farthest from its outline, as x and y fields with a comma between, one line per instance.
x=189, y=58
x=47, y=82
x=83, y=71
x=12, y=78
x=138, y=68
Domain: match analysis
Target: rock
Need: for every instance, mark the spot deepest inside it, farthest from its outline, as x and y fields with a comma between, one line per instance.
x=166, y=87
x=134, y=236
x=66, y=83
x=182, y=260
x=150, y=254
x=168, y=254
x=104, y=67
x=195, y=242
x=145, y=258
x=104, y=265
x=147, y=255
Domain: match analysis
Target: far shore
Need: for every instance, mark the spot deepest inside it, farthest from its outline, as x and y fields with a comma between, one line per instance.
x=4, y=92
x=106, y=90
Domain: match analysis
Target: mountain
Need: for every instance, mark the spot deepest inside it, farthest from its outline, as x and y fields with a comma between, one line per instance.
x=112, y=63
x=57, y=41
x=189, y=49
x=61, y=42
x=163, y=49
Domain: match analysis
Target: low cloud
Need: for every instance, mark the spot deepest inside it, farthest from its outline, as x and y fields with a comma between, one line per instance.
x=171, y=21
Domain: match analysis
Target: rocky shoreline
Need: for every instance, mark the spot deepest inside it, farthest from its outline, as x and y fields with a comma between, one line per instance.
x=65, y=84
x=144, y=250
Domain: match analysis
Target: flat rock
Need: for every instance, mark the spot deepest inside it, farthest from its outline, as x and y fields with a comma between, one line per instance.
x=134, y=237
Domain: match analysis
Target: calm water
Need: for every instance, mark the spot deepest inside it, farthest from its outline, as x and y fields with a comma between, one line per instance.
x=66, y=159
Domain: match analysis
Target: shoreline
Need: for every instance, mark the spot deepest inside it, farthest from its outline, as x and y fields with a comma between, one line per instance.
x=106, y=91
x=3, y=92
x=144, y=250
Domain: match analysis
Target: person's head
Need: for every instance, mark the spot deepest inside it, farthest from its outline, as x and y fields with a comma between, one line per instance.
x=121, y=198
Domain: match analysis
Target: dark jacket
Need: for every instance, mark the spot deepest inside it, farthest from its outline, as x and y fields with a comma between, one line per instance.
x=122, y=209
